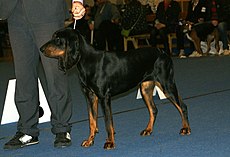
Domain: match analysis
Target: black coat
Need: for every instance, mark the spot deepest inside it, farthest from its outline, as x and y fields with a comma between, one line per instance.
x=169, y=17
x=198, y=12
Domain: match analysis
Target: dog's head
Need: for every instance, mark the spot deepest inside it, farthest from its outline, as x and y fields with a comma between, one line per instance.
x=187, y=27
x=65, y=46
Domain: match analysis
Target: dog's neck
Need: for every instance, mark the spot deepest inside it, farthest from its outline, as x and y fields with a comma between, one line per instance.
x=188, y=31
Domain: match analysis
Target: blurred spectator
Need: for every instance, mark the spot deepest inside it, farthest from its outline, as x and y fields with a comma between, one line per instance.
x=135, y=15
x=106, y=26
x=196, y=11
x=93, y=10
x=167, y=17
x=218, y=14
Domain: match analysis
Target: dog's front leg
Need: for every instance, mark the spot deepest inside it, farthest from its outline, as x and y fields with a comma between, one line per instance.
x=196, y=41
x=106, y=108
x=92, y=101
x=198, y=46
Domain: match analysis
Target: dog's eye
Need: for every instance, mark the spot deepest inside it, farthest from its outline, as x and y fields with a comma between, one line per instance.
x=58, y=41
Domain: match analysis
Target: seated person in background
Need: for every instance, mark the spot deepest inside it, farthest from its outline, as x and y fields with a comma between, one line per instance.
x=106, y=26
x=167, y=17
x=134, y=16
x=227, y=12
x=218, y=14
x=196, y=13
x=93, y=9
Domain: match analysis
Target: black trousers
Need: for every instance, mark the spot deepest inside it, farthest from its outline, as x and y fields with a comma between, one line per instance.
x=3, y=30
x=26, y=38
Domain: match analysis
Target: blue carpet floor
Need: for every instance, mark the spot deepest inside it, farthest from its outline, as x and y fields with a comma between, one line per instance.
x=203, y=83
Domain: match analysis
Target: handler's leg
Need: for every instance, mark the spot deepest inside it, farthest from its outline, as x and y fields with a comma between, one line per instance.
x=59, y=96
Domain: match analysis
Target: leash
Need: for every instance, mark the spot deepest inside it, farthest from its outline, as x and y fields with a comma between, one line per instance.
x=74, y=25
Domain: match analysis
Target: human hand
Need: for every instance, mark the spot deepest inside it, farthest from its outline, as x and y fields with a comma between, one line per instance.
x=78, y=10
x=159, y=25
x=115, y=21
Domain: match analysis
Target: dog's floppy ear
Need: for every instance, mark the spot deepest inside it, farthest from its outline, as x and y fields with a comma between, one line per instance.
x=61, y=64
x=71, y=56
x=75, y=45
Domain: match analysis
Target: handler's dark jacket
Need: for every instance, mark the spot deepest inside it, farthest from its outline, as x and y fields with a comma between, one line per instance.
x=45, y=10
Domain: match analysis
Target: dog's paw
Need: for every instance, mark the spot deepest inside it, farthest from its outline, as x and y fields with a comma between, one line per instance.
x=185, y=131
x=87, y=143
x=146, y=133
x=109, y=145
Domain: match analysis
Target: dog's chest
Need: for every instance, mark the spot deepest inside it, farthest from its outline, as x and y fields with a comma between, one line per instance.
x=189, y=37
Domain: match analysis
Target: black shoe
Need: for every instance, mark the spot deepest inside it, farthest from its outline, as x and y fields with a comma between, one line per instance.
x=62, y=140
x=21, y=140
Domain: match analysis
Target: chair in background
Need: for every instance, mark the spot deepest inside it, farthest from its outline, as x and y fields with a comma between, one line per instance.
x=135, y=41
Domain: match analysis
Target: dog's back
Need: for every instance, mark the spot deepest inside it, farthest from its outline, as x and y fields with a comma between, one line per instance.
x=203, y=30
x=135, y=66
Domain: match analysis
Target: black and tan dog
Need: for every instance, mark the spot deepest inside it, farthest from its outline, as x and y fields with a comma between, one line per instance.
x=204, y=31
x=106, y=74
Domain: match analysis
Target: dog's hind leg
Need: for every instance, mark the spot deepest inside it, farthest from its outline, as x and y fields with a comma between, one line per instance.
x=147, y=95
x=92, y=101
x=107, y=111
x=182, y=108
x=171, y=93
x=209, y=40
x=166, y=82
x=217, y=39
